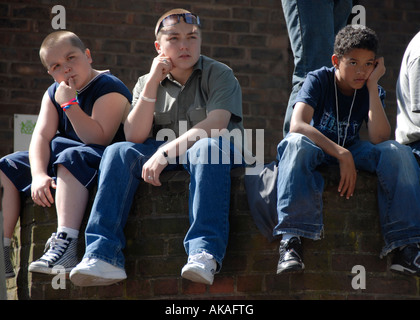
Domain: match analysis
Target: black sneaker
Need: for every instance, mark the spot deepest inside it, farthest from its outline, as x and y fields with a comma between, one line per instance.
x=8, y=266
x=62, y=251
x=407, y=260
x=290, y=256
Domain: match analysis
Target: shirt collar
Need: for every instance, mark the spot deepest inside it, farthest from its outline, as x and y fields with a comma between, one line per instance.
x=198, y=66
x=100, y=73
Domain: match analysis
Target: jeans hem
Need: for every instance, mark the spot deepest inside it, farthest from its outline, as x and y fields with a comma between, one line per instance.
x=298, y=232
x=396, y=244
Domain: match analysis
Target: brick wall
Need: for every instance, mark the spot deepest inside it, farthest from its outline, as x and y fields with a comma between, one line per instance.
x=155, y=255
x=249, y=35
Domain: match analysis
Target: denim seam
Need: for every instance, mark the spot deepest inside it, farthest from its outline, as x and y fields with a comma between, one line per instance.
x=227, y=202
x=124, y=201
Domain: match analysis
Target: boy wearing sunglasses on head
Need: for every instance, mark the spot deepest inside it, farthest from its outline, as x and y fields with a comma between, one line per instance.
x=194, y=97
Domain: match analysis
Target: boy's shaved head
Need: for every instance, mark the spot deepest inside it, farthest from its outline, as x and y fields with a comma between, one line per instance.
x=54, y=38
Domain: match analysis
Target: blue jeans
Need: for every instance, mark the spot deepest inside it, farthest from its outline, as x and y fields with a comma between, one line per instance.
x=82, y=160
x=312, y=26
x=300, y=187
x=415, y=147
x=209, y=198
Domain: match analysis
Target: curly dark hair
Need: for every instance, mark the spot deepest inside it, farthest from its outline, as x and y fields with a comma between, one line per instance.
x=355, y=37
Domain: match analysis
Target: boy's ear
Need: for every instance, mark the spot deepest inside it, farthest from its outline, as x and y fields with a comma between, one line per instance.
x=157, y=47
x=335, y=60
x=88, y=55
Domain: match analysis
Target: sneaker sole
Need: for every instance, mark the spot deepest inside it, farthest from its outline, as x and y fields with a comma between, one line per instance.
x=89, y=280
x=291, y=268
x=400, y=269
x=46, y=270
x=196, y=276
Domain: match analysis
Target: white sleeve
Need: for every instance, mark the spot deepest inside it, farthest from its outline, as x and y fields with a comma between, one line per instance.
x=413, y=72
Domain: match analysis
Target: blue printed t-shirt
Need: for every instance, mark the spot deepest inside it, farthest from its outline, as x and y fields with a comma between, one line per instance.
x=318, y=92
x=102, y=84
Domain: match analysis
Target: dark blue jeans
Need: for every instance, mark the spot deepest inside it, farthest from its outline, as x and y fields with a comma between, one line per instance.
x=300, y=187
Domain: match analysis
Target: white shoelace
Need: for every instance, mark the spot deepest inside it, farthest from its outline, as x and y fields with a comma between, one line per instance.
x=205, y=260
x=56, y=248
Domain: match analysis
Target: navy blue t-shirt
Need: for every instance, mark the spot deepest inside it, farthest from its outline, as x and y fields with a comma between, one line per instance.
x=102, y=84
x=318, y=92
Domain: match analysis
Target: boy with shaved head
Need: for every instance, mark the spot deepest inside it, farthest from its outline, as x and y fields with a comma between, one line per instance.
x=81, y=113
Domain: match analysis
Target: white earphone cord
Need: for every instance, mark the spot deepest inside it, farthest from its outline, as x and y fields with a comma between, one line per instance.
x=338, y=120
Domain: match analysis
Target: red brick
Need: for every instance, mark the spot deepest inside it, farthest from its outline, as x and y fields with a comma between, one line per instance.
x=189, y=287
x=162, y=287
x=138, y=288
x=249, y=283
x=222, y=284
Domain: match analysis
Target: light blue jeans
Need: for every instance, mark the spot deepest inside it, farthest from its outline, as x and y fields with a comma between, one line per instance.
x=300, y=187
x=312, y=26
x=209, y=197
x=415, y=147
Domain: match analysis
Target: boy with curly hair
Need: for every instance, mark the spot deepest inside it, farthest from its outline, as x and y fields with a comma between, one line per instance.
x=329, y=111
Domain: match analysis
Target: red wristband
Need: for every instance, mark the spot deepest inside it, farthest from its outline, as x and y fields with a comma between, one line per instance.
x=67, y=105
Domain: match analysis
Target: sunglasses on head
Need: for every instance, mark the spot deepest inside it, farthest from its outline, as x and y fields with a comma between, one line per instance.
x=174, y=19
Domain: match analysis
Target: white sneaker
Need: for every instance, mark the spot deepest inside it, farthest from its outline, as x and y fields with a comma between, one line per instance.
x=95, y=272
x=201, y=268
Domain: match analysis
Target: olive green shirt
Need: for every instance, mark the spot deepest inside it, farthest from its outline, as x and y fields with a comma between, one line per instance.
x=212, y=85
